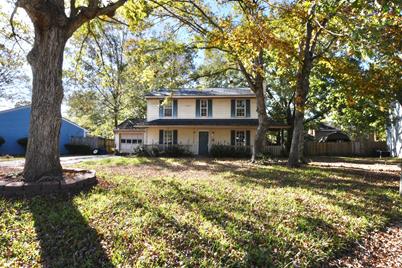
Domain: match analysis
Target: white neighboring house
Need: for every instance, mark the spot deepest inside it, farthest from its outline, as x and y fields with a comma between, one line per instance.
x=394, y=130
x=193, y=118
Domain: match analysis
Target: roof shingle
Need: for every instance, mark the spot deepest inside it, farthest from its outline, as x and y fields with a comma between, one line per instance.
x=207, y=92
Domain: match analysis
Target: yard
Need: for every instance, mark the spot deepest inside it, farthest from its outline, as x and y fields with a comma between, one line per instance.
x=201, y=212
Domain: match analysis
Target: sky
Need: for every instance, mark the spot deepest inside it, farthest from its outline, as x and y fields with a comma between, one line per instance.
x=22, y=91
x=19, y=91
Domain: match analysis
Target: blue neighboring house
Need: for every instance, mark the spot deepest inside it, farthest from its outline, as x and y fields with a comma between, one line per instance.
x=394, y=130
x=14, y=125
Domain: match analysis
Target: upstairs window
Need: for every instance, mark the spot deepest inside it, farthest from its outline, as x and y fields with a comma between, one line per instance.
x=240, y=109
x=204, y=108
x=168, y=109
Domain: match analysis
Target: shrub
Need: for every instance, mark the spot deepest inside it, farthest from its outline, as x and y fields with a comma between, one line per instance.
x=23, y=142
x=78, y=149
x=175, y=151
x=2, y=141
x=219, y=150
x=155, y=151
x=141, y=151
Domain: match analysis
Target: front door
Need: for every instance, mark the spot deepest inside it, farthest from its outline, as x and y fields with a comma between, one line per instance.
x=203, y=143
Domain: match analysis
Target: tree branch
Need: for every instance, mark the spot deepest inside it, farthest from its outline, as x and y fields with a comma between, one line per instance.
x=92, y=11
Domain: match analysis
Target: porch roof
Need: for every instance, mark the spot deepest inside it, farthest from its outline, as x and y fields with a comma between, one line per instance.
x=133, y=123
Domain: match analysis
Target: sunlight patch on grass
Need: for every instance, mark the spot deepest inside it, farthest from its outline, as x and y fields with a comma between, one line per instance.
x=195, y=212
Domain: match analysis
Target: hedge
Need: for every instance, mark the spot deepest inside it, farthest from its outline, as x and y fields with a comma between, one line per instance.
x=220, y=150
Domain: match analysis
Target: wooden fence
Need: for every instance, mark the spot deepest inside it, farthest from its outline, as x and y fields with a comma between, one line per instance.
x=344, y=148
x=94, y=142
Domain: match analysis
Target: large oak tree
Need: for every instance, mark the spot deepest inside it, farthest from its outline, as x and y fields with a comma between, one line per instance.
x=52, y=28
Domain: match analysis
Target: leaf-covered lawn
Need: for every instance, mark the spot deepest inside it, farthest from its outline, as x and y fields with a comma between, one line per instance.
x=198, y=212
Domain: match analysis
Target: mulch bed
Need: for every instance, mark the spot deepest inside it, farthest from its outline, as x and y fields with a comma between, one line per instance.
x=379, y=249
x=13, y=185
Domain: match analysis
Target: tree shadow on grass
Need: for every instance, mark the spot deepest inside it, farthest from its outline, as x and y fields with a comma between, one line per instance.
x=65, y=238
x=251, y=232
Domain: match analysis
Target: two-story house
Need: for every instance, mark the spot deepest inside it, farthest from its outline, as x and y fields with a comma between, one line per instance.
x=193, y=118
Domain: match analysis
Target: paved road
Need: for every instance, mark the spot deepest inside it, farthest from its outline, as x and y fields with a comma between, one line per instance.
x=65, y=160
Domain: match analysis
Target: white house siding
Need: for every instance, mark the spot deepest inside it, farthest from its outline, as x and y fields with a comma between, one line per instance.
x=152, y=109
x=221, y=108
x=185, y=108
x=189, y=136
x=132, y=135
x=394, y=131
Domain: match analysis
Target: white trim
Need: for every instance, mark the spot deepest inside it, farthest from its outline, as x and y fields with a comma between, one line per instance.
x=244, y=108
x=29, y=107
x=15, y=109
x=207, y=107
x=75, y=124
x=248, y=96
x=163, y=111
x=164, y=136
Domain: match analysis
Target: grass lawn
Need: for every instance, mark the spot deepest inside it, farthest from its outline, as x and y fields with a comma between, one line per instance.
x=199, y=212
x=361, y=160
x=9, y=158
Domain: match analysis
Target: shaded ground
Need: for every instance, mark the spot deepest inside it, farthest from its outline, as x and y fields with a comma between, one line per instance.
x=373, y=164
x=379, y=249
x=201, y=212
x=65, y=160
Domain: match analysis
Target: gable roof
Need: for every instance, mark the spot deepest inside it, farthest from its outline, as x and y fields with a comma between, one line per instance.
x=131, y=123
x=206, y=92
x=29, y=107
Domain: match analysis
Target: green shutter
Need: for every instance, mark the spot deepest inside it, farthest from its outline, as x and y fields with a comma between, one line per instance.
x=174, y=108
x=248, y=137
x=197, y=108
x=232, y=137
x=247, y=108
x=160, y=136
x=233, y=107
x=174, y=136
x=210, y=108
x=160, y=109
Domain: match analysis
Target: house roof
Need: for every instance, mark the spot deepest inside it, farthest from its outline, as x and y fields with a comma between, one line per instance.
x=131, y=123
x=206, y=92
x=139, y=123
x=334, y=137
x=29, y=107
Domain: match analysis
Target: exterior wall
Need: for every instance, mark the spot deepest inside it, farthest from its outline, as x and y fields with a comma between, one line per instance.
x=189, y=136
x=152, y=109
x=14, y=125
x=221, y=108
x=394, y=130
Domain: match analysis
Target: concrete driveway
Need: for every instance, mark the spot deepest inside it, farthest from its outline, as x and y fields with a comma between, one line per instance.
x=65, y=160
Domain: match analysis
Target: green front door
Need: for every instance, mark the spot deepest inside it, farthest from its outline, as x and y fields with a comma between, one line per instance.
x=203, y=143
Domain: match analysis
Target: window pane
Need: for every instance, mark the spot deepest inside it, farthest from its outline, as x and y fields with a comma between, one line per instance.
x=168, y=109
x=168, y=137
x=240, y=107
x=123, y=141
x=203, y=107
x=128, y=141
x=240, y=138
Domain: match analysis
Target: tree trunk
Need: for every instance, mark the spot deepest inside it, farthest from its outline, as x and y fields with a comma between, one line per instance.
x=46, y=60
x=302, y=89
x=263, y=122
